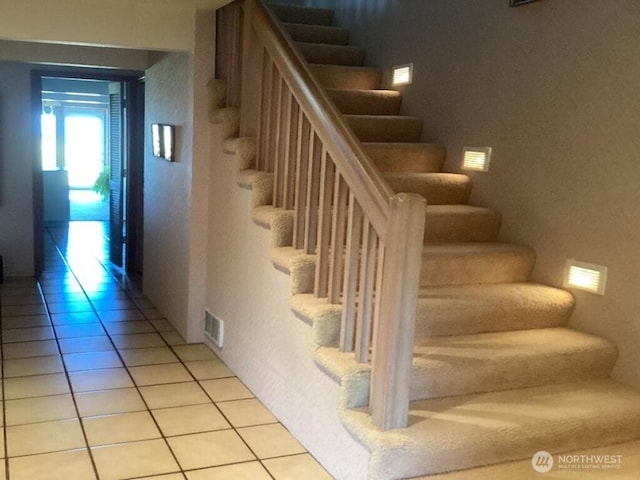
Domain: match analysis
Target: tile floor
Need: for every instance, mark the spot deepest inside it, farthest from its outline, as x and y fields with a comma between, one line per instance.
x=97, y=385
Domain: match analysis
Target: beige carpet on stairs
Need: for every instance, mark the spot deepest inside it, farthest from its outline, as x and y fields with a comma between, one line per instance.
x=497, y=374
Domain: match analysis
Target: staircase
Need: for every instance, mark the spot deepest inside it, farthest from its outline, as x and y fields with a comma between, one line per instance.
x=497, y=373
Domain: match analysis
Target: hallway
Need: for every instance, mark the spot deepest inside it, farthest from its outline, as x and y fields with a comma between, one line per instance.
x=96, y=385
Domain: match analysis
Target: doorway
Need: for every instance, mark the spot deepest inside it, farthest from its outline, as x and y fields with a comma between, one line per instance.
x=91, y=158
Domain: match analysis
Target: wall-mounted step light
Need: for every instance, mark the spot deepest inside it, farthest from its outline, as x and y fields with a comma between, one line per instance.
x=585, y=276
x=402, y=74
x=476, y=158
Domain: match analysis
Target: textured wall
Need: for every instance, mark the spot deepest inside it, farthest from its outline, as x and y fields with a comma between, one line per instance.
x=16, y=167
x=266, y=345
x=552, y=87
x=167, y=189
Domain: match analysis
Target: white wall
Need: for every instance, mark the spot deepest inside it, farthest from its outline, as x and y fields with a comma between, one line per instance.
x=16, y=167
x=552, y=87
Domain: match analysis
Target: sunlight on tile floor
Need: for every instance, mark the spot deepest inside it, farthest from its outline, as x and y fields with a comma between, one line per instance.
x=98, y=385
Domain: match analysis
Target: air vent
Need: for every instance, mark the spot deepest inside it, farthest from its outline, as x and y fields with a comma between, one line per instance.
x=214, y=328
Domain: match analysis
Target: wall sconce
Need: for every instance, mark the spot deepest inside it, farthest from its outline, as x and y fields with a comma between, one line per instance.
x=476, y=158
x=585, y=276
x=163, y=141
x=402, y=75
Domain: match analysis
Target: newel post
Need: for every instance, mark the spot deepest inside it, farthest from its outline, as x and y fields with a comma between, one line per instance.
x=393, y=335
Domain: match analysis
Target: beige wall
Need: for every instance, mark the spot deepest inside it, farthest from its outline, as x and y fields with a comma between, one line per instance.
x=176, y=193
x=16, y=167
x=552, y=87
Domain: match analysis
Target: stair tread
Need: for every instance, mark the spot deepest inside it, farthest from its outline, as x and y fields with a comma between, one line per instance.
x=347, y=77
x=406, y=157
x=317, y=33
x=630, y=452
x=387, y=128
x=475, y=248
x=437, y=188
x=481, y=429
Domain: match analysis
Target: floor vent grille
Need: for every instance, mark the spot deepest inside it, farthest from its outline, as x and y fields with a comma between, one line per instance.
x=214, y=329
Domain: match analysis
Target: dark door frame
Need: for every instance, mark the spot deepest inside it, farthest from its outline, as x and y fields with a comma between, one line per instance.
x=135, y=168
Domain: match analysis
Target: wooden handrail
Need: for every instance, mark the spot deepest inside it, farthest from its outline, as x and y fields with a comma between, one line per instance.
x=367, y=240
x=366, y=182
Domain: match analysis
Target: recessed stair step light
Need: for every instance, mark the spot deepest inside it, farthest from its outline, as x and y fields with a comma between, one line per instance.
x=402, y=74
x=585, y=276
x=476, y=158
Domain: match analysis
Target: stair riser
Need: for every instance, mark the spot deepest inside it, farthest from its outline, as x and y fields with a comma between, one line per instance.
x=442, y=270
x=461, y=228
x=385, y=129
x=439, y=378
x=443, y=312
x=317, y=34
x=332, y=54
x=363, y=78
x=366, y=102
x=436, y=191
x=406, y=158
x=303, y=15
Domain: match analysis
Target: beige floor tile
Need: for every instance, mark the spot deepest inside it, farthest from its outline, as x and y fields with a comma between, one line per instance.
x=170, y=476
x=129, y=327
x=3, y=471
x=32, y=334
x=208, y=369
x=39, y=409
x=163, y=325
x=107, y=402
x=173, y=338
x=268, y=441
x=18, y=310
x=74, y=318
x=25, y=322
x=120, y=315
x=85, y=344
x=100, y=379
x=296, y=467
x=138, y=340
x=224, y=389
x=44, y=437
x=120, y=428
x=174, y=395
x=210, y=449
x=159, y=374
x=136, y=459
x=246, y=413
x=2, y=445
x=152, y=313
x=22, y=300
x=70, y=465
x=239, y=471
x=148, y=356
x=30, y=349
x=22, y=367
x=81, y=330
x=194, y=351
x=36, y=386
x=76, y=362
x=190, y=419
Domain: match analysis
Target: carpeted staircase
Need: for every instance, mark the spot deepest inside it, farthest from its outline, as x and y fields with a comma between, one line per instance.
x=497, y=373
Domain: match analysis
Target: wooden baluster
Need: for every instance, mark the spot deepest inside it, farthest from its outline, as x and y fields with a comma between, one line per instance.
x=264, y=124
x=278, y=141
x=327, y=174
x=293, y=114
x=366, y=294
x=338, y=236
x=303, y=146
x=352, y=261
x=395, y=326
x=313, y=191
x=274, y=103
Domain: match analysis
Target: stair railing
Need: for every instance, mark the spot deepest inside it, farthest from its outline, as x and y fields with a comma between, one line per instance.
x=367, y=239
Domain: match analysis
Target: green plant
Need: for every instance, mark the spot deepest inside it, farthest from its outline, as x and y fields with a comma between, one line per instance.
x=102, y=184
